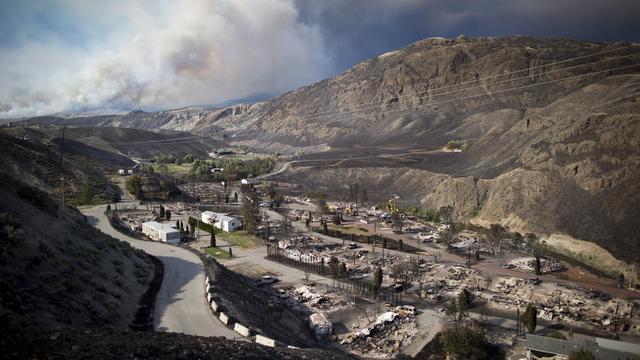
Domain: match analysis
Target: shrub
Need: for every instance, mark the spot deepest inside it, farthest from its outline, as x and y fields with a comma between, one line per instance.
x=455, y=145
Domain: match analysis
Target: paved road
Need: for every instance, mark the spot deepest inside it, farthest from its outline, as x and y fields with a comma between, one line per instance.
x=181, y=306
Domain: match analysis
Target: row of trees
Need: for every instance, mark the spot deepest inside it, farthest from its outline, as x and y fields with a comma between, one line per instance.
x=171, y=159
x=234, y=169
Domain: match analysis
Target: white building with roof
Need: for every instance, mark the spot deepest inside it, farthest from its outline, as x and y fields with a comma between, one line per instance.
x=221, y=221
x=161, y=232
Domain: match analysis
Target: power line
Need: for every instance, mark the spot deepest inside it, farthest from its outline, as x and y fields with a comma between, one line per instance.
x=528, y=69
x=190, y=138
x=501, y=91
x=335, y=112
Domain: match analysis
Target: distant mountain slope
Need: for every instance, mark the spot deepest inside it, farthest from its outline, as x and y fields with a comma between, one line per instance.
x=550, y=130
x=140, y=143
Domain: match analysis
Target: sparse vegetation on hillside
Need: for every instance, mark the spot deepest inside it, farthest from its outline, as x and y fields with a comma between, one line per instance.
x=64, y=274
x=430, y=215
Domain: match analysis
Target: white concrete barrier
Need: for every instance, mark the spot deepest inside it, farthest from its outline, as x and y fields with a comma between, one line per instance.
x=224, y=318
x=206, y=280
x=214, y=306
x=292, y=347
x=242, y=330
x=263, y=340
x=209, y=297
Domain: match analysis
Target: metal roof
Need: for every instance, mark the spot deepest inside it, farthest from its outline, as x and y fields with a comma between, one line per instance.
x=220, y=216
x=164, y=228
x=619, y=345
x=566, y=347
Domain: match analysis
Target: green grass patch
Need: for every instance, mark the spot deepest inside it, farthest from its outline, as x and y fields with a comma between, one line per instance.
x=237, y=238
x=178, y=168
x=217, y=252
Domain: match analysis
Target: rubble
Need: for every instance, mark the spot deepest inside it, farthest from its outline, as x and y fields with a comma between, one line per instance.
x=528, y=263
x=384, y=337
x=320, y=325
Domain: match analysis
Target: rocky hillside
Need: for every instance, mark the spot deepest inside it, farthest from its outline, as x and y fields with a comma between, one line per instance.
x=106, y=344
x=59, y=272
x=549, y=131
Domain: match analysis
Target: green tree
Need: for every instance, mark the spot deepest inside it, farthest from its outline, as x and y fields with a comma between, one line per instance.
x=213, y=239
x=336, y=219
x=167, y=215
x=582, y=354
x=108, y=208
x=250, y=208
x=462, y=343
x=134, y=185
x=230, y=252
x=530, y=318
x=86, y=194
x=537, y=267
x=162, y=211
x=188, y=158
x=376, y=279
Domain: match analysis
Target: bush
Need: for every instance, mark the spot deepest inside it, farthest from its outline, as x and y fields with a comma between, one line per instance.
x=455, y=145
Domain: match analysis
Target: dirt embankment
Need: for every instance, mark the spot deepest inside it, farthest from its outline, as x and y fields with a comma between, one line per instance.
x=106, y=344
x=254, y=306
x=59, y=272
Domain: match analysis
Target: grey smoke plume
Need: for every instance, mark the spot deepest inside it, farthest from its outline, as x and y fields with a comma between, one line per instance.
x=160, y=54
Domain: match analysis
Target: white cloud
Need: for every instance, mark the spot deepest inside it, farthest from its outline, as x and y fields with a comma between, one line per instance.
x=162, y=54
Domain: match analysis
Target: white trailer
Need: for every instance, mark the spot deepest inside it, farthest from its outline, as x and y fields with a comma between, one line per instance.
x=221, y=221
x=161, y=232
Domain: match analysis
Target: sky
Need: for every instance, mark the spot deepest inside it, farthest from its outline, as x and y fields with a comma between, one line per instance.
x=59, y=56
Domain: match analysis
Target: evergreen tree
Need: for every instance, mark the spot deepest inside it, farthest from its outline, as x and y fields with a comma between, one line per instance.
x=377, y=279
x=167, y=215
x=213, y=239
x=343, y=269
x=530, y=318
x=230, y=252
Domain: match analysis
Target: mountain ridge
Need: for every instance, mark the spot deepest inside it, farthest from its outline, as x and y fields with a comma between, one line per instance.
x=550, y=131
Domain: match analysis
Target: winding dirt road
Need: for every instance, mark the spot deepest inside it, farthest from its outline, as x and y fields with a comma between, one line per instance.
x=181, y=305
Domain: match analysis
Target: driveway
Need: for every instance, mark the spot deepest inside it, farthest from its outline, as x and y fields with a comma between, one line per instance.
x=181, y=305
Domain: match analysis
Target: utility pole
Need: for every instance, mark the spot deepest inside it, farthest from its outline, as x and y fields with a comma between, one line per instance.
x=62, y=167
x=518, y=322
